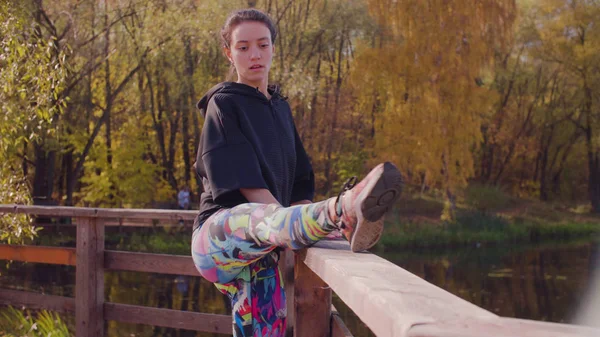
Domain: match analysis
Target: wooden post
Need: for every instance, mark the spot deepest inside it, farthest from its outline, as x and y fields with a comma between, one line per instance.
x=89, y=277
x=287, y=269
x=312, y=302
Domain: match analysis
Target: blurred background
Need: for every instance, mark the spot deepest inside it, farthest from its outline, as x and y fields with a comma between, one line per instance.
x=491, y=109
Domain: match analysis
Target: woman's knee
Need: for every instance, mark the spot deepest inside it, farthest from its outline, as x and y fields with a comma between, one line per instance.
x=212, y=266
x=213, y=254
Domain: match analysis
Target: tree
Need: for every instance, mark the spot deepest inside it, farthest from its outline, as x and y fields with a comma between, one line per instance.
x=434, y=54
x=569, y=36
x=32, y=73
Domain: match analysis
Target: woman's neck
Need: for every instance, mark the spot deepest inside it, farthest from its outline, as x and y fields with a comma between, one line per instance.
x=261, y=86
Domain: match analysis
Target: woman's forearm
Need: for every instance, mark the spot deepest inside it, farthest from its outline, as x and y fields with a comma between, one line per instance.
x=258, y=195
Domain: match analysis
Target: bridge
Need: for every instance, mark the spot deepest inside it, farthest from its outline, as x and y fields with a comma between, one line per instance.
x=391, y=301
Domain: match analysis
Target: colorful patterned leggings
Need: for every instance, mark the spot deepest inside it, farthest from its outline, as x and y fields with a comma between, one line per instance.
x=236, y=249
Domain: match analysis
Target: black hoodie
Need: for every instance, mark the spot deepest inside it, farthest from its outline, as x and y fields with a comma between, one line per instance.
x=249, y=141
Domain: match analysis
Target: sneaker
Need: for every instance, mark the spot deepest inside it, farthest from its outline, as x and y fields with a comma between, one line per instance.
x=361, y=209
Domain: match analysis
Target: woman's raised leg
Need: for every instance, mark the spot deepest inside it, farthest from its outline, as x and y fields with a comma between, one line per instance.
x=233, y=238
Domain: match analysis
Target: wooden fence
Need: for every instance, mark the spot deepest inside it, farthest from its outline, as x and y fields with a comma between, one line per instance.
x=388, y=299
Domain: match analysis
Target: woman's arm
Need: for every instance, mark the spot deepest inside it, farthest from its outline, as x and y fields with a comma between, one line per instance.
x=303, y=190
x=264, y=196
x=227, y=159
x=259, y=195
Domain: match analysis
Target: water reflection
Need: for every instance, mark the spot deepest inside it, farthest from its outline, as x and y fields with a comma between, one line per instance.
x=540, y=283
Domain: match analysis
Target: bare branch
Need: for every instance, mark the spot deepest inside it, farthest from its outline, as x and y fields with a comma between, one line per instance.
x=103, y=31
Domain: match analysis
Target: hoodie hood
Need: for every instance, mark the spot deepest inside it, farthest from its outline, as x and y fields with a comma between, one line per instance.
x=239, y=89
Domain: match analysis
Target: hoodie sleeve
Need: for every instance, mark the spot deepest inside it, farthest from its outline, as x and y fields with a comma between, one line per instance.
x=304, y=181
x=229, y=160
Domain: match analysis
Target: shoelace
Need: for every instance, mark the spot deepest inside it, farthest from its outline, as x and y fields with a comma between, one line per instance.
x=348, y=185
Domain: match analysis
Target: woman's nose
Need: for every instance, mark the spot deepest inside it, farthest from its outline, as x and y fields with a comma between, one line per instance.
x=254, y=53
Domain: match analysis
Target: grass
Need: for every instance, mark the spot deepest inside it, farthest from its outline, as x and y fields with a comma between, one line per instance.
x=414, y=222
x=17, y=323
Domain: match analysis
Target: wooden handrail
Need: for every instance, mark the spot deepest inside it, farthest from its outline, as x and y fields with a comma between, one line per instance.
x=109, y=213
x=393, y=302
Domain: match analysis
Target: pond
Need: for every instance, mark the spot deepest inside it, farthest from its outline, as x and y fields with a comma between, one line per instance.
x=545, y=282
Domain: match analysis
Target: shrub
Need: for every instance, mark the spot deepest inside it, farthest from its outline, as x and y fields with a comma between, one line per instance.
x=486, y=198
x=478, y=221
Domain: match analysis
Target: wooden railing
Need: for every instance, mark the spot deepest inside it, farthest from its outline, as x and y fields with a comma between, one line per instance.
x=388, y=299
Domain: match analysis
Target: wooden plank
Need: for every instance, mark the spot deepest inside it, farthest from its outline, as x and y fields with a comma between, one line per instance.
x=126, y=222
x=387, y=298
x=312, y=302
x=500, y=327
x=338, y=328
x=38, y=254
x=168, y=318
x=122, y=312
x=89, y=276
x=132, y=213
x=150, y=263
x=115, y=260
x=31, y=300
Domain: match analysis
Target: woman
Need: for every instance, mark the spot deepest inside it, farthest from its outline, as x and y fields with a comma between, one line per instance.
x=258, y=186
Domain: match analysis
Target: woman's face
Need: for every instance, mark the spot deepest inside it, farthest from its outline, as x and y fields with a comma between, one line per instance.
x=251, y=51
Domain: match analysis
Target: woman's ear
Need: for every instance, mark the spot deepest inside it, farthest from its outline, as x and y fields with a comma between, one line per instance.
x=227, y=53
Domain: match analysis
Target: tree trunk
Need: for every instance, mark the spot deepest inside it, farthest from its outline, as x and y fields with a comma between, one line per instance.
x=70, y=182
x=157, y=119
x=331, y=136
x=593, y=153
x=173, y=126
x=24, y=165
x=107, y=88
x=186, y=107
x=543, y=171
x=313, y=109
x=185, y=144
x=43, y=181
x=545, y=144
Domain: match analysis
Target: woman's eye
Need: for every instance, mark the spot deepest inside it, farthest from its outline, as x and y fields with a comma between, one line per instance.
x=243, y=48
x=264, y=45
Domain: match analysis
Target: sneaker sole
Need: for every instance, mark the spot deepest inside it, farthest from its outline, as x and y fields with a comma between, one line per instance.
x=381, y=197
